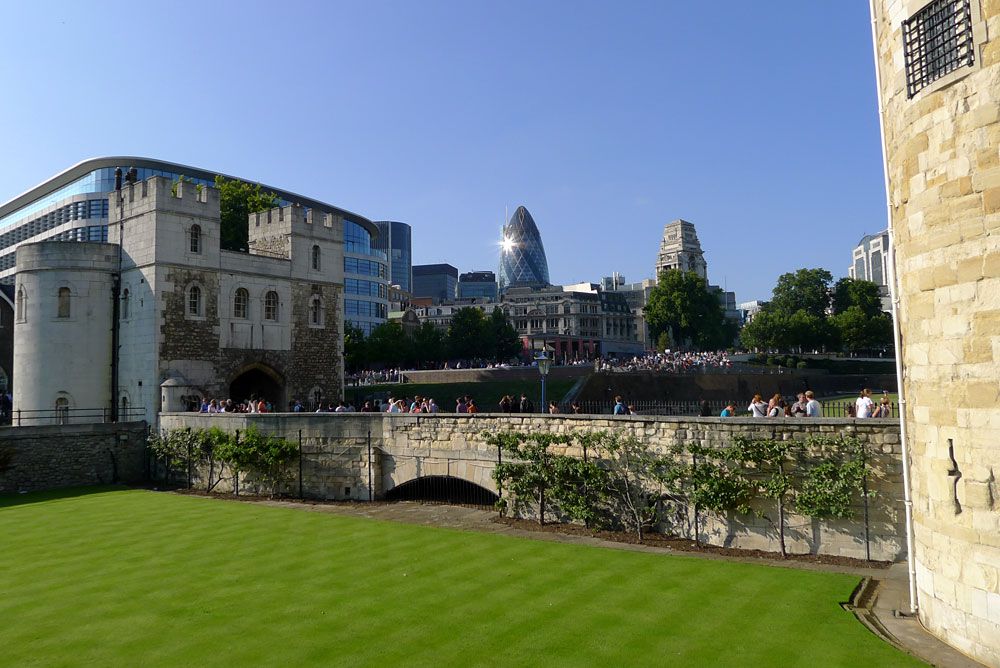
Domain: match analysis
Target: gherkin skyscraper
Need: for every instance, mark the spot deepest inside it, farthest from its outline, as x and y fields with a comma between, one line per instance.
x=522, y=256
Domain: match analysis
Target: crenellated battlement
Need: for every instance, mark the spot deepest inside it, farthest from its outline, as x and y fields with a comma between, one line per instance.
x=163, y=194
x=294, y=219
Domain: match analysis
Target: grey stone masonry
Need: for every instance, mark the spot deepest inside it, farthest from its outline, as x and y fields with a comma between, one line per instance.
x=52, y=456
x=406, y=447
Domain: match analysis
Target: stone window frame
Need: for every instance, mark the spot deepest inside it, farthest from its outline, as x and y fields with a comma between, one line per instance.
x=241, y=311
x=317, y=312
x=195, y=239
x=202, y=294
x=64, y=302
x=21, y=305
x=316, y=258
x=273, y=310
x=63, y=407
x=979, y=39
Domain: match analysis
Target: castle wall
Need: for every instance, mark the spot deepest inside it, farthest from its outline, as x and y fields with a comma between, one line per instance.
x=943, y=159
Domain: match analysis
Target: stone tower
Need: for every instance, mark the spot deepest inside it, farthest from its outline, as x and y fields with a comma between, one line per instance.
x=938, y=67
x=680, y=249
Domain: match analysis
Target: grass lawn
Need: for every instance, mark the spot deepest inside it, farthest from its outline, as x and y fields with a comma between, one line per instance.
x=122, y=577
x=486, y=394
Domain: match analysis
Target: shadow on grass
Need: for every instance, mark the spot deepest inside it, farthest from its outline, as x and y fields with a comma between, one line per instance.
x=11, y=500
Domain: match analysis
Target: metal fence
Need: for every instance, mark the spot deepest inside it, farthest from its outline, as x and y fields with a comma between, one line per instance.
x=834, y=409
x=42, y=416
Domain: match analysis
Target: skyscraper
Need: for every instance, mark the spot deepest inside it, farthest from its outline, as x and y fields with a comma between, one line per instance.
x=522, y=256
x=680, y=249
x=437, y=281
x=394, y=239
x=477, y=285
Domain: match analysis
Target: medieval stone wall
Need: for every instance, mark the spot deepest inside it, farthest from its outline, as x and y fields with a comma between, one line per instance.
x=52, y=456
x=406, y=447
x=943, y=159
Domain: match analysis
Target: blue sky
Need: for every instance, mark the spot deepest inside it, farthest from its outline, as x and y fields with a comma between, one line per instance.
x=755, y=121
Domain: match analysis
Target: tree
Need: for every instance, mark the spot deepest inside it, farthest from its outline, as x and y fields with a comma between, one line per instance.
x=805, y=290
x=237, y=200
x=428, y=344
x=355, y=347
x=682, y=305
x=858, y=331
x=388, y=344
x=467, y=334
x=866, y=295
x=504, y=343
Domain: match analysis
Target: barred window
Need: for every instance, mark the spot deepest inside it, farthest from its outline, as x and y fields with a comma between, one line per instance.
x=937, y=40
x=271, y=305
x=240, y=303
x=194, y=300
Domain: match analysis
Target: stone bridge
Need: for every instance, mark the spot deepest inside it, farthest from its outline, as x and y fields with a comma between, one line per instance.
x=357, y=456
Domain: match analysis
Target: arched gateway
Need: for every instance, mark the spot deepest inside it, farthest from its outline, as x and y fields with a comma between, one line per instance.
x=258, y=381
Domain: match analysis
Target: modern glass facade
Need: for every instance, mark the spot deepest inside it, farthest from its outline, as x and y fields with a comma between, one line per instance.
x=73, y=206
x=437, y=281
x=522, y=256
x=477, y=285
x=394, y=239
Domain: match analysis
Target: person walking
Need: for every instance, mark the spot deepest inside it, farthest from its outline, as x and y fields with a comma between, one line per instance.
x=620, y=408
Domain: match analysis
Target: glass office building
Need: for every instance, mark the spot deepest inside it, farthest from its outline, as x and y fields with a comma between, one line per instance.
x=437, y=281
x=394, y=240
x=477, y=285
x=522, y=256
x=73, y=206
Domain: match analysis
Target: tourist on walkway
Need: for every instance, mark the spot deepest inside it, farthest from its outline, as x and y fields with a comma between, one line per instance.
x=884, y=409
x=525, y=405
x=864, y=406
x=461, y=406
x=553, y=408
x=757, y=407
x=728, y=411
x=798, y=409
x=813, y=408
x=620, y=407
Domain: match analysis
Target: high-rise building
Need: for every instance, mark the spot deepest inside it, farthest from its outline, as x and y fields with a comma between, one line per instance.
x=437, y=281
x=522, y=256
x=680, y=249
x=394, y=239
x=870, y=259
x=477, y=285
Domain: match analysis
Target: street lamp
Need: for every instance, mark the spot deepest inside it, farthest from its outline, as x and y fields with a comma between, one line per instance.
x=544, y=364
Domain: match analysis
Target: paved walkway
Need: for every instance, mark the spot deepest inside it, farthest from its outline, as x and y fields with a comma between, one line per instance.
x=891, y=593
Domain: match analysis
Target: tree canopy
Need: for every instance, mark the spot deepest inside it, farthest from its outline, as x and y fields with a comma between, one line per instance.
x=682, y=305
x=237, y=200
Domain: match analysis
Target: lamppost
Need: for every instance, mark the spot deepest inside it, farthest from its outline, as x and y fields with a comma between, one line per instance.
x=544, y=363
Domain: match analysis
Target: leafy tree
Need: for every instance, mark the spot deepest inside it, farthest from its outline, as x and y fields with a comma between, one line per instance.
x=858, y=331
x=682, y=305
x=804, y=290
x=237, y=200
x=504, y=343
x=428, y=344
x=864, y=295
x=355, y=347
x=805, y=331
x=766, y=457
x=468, y=334
x=388, y=344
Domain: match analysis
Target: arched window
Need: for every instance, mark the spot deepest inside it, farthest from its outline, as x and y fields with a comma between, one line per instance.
x=63, y=305
x=315, y=258
x=125, y=301
x=21, y=304
x=240, y=303
x=195, y=238
x=194, y=300
x=271, y=305
x=62, y=410
x=316, y=311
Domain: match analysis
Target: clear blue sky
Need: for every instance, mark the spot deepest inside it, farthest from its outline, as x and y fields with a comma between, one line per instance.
x=755, y=121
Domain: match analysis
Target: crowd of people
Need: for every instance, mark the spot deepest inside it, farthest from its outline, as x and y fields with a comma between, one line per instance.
x=806, y=405
x=669, y=361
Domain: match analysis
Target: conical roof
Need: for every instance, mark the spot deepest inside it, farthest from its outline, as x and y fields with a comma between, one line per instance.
x=522, y=256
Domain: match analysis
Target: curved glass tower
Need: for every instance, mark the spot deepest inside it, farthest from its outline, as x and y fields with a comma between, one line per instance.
x=522, y=256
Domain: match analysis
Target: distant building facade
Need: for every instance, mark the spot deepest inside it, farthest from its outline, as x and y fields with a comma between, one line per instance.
x=194, y=320
x=870, y=262
x=395, y=240
x=680, y=249
x=437, y=281
x=522, y=255
x=477, y=285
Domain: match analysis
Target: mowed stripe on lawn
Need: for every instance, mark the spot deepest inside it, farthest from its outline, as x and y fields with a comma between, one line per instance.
x=116, y=576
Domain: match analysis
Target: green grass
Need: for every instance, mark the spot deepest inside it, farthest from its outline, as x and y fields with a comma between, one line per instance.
x=486, y=394
x=128, y=577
